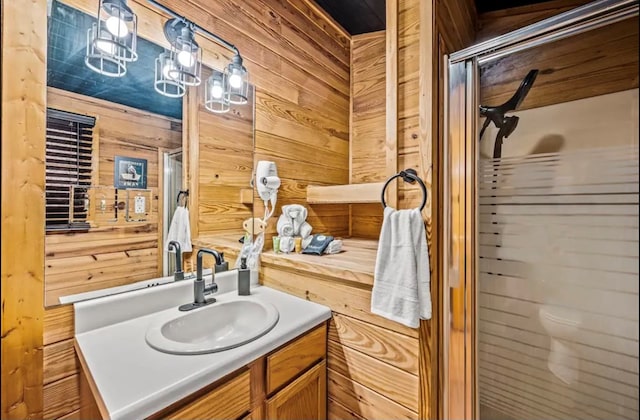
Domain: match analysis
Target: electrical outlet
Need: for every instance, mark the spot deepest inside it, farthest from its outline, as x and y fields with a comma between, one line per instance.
x=139, y=206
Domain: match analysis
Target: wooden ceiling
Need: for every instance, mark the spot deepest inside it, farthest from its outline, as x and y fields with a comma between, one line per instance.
x=362, y=16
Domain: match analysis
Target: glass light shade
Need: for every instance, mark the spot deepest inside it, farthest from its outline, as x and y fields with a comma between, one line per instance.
x=118, y=27
x=217, y=93
x=187, y=55
x=238, y=78
x=99, y=55
x=164, y=83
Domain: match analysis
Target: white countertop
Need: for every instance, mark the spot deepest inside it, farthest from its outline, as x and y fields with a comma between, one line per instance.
x=134, y=380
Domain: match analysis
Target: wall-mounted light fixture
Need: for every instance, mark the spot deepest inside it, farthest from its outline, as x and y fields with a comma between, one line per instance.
x=111, y=41
x=111, y=44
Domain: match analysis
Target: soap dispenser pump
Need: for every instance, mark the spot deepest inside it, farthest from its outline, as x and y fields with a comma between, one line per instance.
x=244, y=278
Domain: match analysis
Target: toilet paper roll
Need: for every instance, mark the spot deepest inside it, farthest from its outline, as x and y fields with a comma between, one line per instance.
x=271, y=182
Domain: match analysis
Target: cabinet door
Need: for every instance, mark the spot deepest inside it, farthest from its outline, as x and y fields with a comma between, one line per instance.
x=304, y=399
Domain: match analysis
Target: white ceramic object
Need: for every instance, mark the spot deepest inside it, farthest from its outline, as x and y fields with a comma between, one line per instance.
x=213, y=328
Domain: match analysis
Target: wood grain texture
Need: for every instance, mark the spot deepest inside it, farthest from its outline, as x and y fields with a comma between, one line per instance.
x=228, y=401
x=288, y=362
x=363, y=402
x=393, y=383
x=351, y=193
x=393, y=95
x=59, y=361
x=61, y=397
x=23, y=175
x=499, y=22
x=103, y=257
x=304, y=398
x=224, y=165
x=337, y=411
x=258, y=372
x=597, y=62
x=395, y=349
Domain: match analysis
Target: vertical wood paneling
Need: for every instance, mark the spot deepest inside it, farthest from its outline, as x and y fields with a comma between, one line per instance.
x=24, y=46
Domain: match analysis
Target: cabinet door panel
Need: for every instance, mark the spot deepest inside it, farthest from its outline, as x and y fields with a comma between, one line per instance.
x=304, y=399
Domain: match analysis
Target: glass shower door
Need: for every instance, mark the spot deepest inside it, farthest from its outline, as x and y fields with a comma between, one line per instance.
x=542, y=233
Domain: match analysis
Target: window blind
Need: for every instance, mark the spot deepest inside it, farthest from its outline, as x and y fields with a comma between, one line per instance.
x=68, y=169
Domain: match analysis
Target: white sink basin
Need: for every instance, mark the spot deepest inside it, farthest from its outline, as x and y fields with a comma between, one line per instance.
x=216, y=327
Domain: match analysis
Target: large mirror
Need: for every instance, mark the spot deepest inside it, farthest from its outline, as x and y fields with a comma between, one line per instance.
x=119, y=153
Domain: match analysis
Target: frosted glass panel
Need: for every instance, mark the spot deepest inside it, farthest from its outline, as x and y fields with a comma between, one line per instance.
x=558, y=279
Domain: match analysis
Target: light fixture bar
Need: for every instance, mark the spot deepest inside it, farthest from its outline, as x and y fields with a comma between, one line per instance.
x=197, y=27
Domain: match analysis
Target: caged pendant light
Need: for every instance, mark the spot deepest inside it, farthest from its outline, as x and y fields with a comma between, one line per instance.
x=111, y=44
x=217, y=93
x=111, y=41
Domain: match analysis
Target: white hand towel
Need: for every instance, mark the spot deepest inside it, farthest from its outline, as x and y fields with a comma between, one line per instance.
x=297, y=214
x=284, y=226
x=401, y=279
x=180, y=229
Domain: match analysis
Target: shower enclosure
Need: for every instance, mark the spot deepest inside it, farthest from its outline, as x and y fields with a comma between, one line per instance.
x=541, y=230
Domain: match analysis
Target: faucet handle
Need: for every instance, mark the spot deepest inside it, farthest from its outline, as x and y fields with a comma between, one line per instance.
x=223, y=266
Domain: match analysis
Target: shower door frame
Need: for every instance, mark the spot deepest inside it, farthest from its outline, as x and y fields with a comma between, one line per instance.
x=460, y=155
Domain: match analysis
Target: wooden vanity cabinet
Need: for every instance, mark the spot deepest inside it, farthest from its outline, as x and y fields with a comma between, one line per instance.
x=288, y=383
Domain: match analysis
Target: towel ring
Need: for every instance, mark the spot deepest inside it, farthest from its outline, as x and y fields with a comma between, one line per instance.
x=183, y=195
x=411, y=176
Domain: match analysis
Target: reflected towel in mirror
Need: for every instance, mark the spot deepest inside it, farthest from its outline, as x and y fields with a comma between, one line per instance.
x=180, y=229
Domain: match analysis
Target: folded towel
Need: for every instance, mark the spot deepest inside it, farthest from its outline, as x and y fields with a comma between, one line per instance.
x=305, y=230
x=401, y=279
x=334, y=247
x=297, y=214
x=284, y=226
x=180, y=230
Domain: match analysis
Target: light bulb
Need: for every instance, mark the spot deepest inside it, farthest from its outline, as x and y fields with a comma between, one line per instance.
x=216, y=90
x=106, y=47
x=235, y=81
x=186, y=58
x=166, y=70
x=117, y=26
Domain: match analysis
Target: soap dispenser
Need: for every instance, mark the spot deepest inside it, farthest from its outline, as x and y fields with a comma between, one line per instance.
x=244, y=278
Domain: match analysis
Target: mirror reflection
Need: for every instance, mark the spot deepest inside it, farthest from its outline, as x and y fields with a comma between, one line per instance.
x=118, y=155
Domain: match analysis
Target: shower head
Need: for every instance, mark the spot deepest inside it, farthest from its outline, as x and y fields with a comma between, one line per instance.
x=496, y=113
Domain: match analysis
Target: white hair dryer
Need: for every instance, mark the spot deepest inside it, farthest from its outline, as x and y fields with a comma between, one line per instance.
x=267, y=184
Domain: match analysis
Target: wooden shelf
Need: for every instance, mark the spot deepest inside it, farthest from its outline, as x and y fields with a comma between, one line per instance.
x=345, y=194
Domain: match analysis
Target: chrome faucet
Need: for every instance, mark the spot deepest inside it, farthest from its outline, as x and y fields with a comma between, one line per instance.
x=199, y=288
x=178, y=274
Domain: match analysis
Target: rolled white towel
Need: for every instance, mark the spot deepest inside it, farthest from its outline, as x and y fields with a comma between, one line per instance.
x=305, y=230
x=297, y=214
x=284, y=226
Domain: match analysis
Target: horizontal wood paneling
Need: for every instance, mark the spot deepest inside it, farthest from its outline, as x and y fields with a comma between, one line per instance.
x=225, y=165
x=106, y=256
x=59, y=361
x=62, y=397
x=597, y=62
x=385, y=345
x=103, y=257
x=499, y=22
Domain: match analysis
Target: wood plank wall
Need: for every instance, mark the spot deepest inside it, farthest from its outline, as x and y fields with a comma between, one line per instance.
x=110, y=256
x=23, y=213
x=425, y=33
x=225, y=165
x=492, y=24
x=372, y=362
x=298, y=60
x=106, y=256
x=367, y=157
x=598, y=62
